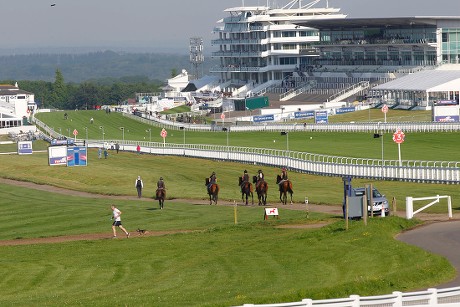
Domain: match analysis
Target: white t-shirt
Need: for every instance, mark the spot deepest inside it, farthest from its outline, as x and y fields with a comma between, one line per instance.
x=116, y=215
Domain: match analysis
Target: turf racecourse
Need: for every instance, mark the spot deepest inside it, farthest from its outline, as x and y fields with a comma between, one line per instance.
x=219, y=263
x=216, y=262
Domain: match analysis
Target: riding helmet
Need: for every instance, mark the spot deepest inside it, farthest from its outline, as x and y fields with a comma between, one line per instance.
x=161, y=178
x=245, y=171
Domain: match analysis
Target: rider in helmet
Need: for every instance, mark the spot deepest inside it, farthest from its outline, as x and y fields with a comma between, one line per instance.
x=161, y=184
x=212, y=180
x=260, y=175
x=283, y=176
x=245, y=179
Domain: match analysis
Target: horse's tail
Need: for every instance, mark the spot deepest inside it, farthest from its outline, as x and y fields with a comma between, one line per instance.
x=290, y=190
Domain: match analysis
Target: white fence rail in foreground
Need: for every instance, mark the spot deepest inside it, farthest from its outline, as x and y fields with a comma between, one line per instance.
x=448, y=297
x=410, y=205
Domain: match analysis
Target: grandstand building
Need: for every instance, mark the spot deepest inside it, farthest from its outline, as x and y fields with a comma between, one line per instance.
x=299, y=54
x=15, y=105
x=258, y=46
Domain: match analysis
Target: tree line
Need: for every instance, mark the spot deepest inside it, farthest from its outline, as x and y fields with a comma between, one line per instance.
x=88, y=94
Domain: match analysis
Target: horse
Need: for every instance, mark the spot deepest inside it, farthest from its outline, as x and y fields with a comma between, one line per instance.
x=160, y=195
x=261, y=189
x=285, y=187
x=213, y=192
x=246, y=189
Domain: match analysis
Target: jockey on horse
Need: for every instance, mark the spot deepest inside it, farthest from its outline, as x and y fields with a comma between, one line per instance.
x=284, y=177
x=244, y=179
x=260, y=177
x=212, y=180
x=161, y=184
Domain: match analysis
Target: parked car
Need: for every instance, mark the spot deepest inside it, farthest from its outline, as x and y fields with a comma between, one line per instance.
x=379, y=200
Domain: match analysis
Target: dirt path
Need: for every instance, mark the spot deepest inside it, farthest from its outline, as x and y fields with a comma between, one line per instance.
x=333, y=210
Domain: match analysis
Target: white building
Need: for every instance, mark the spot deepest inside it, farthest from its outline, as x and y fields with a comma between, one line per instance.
x=261, y=44
x=15, y=104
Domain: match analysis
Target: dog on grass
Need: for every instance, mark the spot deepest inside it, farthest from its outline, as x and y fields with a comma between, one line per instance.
x=141, y=231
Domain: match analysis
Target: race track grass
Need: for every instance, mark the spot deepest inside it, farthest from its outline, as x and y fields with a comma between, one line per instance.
x=185, y=178
x=418, y=146
x=220, y=264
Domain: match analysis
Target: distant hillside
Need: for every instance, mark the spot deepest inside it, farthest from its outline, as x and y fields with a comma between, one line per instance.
x=81, y=67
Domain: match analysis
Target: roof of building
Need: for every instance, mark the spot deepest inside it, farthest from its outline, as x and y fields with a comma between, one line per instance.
x=6, y=90
x=377, y=22
x=427, y=81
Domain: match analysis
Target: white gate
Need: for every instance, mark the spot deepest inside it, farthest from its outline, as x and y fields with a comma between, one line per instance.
x=410, y=205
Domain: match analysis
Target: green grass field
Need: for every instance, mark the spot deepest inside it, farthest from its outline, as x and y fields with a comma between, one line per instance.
x=219, y=263
x=418, y=146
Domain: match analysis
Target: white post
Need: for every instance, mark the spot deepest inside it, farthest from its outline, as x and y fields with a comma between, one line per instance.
x=398, y=302
x=433, y=301
x=308, y=302
x=409, y=208
x=449, y=206
x=399, y=155
x=355, y=299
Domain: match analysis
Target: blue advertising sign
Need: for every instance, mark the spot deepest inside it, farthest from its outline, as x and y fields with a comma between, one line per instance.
x=24, y=147
x=76, y=156
x=345, y=110
x=304, y=114
x=447, y=119
x=321, y=117
x=263, y=118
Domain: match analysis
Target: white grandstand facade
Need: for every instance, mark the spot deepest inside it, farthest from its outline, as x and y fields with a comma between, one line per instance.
x=300, y=54
x=261, y=44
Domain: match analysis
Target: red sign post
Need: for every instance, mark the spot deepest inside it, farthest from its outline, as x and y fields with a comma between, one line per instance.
x=163, y=134
x=75, y=133
x=398, y=138
x=385, y=111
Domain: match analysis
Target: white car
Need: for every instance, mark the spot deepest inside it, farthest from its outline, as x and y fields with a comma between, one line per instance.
x=379, y=201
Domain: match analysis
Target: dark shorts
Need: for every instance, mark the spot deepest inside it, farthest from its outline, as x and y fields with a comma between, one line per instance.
x=116, y=223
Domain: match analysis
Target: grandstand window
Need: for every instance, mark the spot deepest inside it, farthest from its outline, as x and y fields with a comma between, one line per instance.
x=288, y=34
x=288, y=61
x=289, y=46
x=445, y=37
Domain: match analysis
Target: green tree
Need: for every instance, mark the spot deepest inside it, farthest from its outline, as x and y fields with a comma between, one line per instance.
x=59, y=94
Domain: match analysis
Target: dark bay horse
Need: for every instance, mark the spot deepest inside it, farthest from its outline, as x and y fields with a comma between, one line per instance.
x=285, y=187
x=246, y=190
x=160, y=195
x=262, y=190
x=213, y=191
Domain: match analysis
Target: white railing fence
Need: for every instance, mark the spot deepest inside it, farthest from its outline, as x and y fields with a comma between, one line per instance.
x=449, y=297
x=447, y=172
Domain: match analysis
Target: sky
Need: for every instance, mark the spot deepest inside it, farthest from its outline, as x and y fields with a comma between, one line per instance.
x=156, y=25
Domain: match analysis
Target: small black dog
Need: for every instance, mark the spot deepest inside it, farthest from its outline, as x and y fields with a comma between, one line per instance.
x=141, y=231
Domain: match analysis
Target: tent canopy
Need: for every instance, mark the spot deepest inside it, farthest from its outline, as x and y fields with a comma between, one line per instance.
x=426, y=81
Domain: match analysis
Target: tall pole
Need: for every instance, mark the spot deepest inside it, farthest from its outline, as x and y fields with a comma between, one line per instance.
x=103, y=140
x=383, y=159
x=287, y=141
x=123, y=136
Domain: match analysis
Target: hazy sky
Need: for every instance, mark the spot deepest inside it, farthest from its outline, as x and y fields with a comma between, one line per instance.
x=157, y=24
